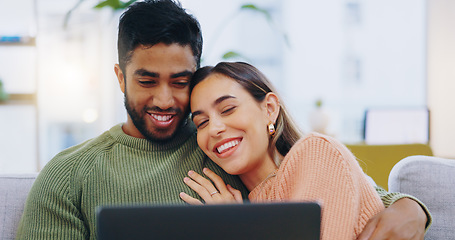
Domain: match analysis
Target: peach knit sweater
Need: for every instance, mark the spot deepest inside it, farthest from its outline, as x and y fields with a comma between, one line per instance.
x=319, y=168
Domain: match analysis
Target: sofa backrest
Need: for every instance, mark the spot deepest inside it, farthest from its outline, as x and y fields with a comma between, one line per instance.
x=431, y=180
x=13, y=193
x=378, y=160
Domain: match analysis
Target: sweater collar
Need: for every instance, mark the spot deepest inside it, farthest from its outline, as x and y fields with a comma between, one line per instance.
x=186, y=131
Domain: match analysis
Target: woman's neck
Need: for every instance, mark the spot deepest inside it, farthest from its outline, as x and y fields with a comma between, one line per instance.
x=253, y=178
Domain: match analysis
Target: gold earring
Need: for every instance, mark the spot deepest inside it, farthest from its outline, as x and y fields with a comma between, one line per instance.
x=271, y=129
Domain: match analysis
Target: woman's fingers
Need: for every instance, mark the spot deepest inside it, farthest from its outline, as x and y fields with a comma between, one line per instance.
x=207, y=191
x=188, y=199
x=198, y=188
x=204, y=182
x=236, y=193
x=219, y=183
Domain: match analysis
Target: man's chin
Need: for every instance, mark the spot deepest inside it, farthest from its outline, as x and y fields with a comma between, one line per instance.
x=160, y=138
x=161, y=135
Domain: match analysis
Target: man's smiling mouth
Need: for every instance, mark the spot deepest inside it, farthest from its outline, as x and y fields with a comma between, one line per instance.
x=161, y=118
x=162, y=121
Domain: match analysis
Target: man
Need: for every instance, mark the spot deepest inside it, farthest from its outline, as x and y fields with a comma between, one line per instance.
x=145, y=159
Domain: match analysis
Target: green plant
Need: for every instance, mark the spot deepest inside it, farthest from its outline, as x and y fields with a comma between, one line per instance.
x=3, y=94
x=114, y=4
x=231, y=54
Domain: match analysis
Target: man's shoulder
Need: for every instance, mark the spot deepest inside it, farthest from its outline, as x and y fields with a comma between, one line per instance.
x=80, y=155
x=91, y=146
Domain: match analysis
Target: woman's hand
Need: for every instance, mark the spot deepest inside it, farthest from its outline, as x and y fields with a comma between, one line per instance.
x=222, y=193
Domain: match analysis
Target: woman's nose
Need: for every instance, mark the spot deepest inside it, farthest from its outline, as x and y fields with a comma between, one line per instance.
x=216, y=127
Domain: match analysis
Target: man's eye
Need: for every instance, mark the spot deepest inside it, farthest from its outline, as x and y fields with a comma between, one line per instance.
x=146, y=82
x=181, y=84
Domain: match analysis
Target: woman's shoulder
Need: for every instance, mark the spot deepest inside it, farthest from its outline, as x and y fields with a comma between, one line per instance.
x=319, y=144
x=315, y=139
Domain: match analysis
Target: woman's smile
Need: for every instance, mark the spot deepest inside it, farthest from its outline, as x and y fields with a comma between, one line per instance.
x=226, y=147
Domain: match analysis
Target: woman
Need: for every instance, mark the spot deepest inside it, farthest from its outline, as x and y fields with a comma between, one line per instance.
x=243, y=127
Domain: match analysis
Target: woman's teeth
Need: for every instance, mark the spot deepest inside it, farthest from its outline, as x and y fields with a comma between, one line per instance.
x=227, y=145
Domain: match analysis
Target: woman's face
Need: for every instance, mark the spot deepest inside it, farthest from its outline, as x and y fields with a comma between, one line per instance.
x=232, y=125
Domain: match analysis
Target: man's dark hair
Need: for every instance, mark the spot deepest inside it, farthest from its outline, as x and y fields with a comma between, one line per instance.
x=157, y=21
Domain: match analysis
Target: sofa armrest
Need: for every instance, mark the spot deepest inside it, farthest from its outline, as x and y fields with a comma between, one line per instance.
x=432, y=181
x=14, y=189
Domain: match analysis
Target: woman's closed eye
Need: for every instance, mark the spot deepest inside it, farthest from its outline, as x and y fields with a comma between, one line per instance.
x=201, y=123
x=228, y=110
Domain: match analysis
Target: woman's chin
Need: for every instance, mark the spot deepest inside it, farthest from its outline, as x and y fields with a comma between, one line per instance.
x=233, y=171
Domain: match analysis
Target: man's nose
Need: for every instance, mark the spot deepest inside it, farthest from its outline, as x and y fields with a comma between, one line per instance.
x=164, y=98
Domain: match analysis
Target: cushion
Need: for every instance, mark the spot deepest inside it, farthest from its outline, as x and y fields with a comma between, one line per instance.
x=431, y=180
x=13, y=193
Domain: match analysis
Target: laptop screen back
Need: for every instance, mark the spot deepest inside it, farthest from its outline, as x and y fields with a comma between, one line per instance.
x=239, y=221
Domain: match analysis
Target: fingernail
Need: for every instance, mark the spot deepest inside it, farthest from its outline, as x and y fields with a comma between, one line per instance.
x=190, y=172
x=186, y=179
x=205, y=170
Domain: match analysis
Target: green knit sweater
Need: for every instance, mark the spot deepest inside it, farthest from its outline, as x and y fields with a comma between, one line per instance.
x=113, y=168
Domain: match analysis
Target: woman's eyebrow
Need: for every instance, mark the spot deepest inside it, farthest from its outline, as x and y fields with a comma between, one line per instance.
x=221, y=99
x=216, y=102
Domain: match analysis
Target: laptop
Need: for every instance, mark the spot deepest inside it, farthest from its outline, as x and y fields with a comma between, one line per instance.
x=228, y=221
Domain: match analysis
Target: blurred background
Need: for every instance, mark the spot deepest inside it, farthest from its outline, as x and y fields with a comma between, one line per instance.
x=341, y=66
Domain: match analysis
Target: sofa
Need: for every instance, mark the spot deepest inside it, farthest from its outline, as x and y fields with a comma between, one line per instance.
x=13, y=193
x=432, y=180
x=378, y=160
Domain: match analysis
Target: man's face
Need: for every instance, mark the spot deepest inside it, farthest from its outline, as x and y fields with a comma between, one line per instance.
x=156, y=88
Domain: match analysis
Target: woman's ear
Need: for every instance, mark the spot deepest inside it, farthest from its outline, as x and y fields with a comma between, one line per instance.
x=120, y=77
x=272, y=106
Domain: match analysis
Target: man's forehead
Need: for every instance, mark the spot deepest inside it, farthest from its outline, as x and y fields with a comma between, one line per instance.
x=162, y=59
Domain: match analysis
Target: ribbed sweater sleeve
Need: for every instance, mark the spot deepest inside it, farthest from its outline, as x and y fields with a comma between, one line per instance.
x=319, y=168
x=112, y=169
x=390, y=198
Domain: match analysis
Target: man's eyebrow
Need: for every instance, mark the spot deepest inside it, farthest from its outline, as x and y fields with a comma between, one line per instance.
x=144, y=73
x=182, y=74
x=217, y=101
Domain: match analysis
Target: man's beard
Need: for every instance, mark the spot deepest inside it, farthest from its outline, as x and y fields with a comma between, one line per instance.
x=139, y=121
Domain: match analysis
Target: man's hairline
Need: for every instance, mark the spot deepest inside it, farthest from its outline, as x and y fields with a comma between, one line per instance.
x=129, y=54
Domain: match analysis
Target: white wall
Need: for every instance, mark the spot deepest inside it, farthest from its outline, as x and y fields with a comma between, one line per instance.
x=354, y=55
x=441, y=76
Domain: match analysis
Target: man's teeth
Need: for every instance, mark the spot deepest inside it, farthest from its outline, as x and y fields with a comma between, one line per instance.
x=227, y=145
x=161, y=118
